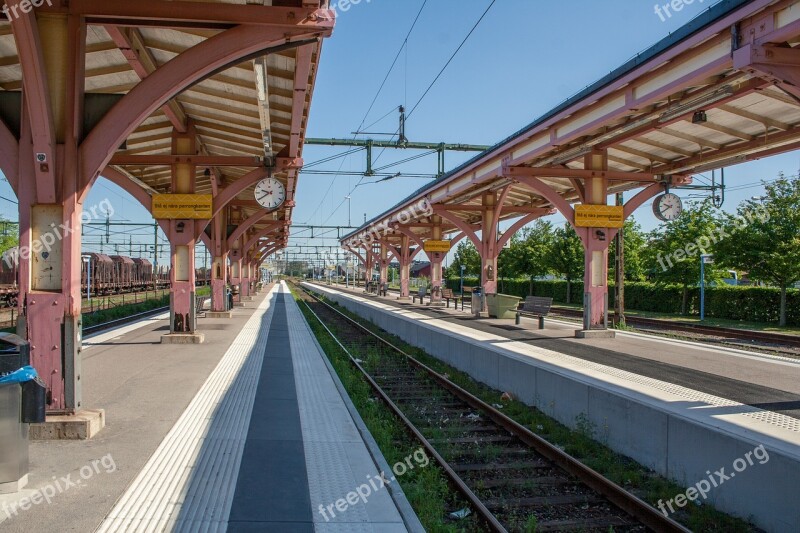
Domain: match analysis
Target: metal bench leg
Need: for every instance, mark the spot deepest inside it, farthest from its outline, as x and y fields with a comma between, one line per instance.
x=516, y=320
x=541, y=322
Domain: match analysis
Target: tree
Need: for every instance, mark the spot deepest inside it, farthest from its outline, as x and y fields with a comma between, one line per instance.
x=635, y=244
x=566, y=256
x=9, y=238
x=674, y=248
x=764, y=238
x=466, y=254
x=527, y=256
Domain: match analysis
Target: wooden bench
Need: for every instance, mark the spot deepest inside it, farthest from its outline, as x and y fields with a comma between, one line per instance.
x=421, y=294
x=535, y=307
x=383, y=289
x=447, y=295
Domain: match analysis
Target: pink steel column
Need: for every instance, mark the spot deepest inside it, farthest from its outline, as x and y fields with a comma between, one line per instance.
x=596, y=242
x=489, y=241
x=384, y=264
x=236, y=272
x=219, y=263
x=245, y=266
x=436, y=259
x=369, y=264
x=405, y=267
x=50, y=207
x=182, y=237
x=182, y=276
x=219, y=281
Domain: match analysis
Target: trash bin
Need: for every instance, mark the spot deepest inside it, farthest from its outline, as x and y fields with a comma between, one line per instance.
x=477, y=300
x=502, y=305
x=22, y=399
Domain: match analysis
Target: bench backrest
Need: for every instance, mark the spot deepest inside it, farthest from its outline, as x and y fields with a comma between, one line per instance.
x=537, y=304
x=447, y=293
x=422, y=291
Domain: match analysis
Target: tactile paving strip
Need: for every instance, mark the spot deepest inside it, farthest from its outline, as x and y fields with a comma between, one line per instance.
x=189, y=482
x=332, y=442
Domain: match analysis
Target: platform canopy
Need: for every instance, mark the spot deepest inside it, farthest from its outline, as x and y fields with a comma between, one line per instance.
x=246, y=116
x=722, y=90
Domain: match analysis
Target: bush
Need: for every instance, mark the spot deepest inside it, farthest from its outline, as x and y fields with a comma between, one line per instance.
x=750, y=304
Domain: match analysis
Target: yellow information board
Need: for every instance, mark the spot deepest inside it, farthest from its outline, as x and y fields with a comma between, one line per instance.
x=183, y=206
x=437, y=246
x=599, y=216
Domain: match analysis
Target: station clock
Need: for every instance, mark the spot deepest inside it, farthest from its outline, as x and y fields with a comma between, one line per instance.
x=667, y=207
x=270, y=193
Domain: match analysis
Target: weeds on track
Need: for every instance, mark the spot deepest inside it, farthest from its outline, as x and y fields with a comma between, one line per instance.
x=587, y=443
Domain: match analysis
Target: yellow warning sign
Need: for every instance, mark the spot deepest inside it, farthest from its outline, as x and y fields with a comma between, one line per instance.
x=183, y=206
x=599, y=216
x=437, y=246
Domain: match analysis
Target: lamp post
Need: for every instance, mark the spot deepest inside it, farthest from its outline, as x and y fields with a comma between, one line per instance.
x=704, y=260
x=463, y=268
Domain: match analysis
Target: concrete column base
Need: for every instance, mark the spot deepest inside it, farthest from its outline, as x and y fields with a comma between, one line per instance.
x=239, y=304
x=219, y=314
x=404, y=298
x=595, y=334
x=438, y=304
x=183, y=338
x=80, y=426
x=14, y=486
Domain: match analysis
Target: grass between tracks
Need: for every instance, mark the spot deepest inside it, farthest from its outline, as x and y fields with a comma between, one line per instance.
x=122, y=311
x=586, y=443
x=427, y=489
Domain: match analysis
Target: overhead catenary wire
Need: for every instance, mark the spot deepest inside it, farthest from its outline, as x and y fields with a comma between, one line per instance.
x=442, y=71
x=375, y=99
x=425, y=93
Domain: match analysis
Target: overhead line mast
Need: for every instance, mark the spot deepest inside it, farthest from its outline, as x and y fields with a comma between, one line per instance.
x=402, y=143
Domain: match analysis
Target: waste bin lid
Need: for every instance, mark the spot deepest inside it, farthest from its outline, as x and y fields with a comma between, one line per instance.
x=10, y=338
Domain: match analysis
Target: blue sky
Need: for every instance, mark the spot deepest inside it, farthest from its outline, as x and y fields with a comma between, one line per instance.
x=524, y=58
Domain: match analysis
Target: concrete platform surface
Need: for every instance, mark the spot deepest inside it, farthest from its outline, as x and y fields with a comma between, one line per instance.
x=250, y=431
x=143, y=387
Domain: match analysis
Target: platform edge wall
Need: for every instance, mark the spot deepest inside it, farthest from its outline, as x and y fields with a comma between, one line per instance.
x=676, y=447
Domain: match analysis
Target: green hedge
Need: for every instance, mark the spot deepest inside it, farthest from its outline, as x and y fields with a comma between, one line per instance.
x=752, y=304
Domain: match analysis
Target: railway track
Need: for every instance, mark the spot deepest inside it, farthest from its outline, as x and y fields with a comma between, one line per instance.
x=755, y=337
x=513, y=479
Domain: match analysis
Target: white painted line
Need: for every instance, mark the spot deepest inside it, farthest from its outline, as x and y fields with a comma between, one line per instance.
x=116, y=333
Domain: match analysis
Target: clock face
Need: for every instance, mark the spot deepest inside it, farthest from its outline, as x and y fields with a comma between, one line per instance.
x=270, y=193
x=667, y=207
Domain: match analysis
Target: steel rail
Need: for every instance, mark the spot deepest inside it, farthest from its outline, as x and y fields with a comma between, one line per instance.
x=462, y=487
x=615, y=494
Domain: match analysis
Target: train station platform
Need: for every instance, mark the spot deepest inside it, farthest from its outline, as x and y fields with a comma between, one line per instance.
x=250, y=431
x=681, y=408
